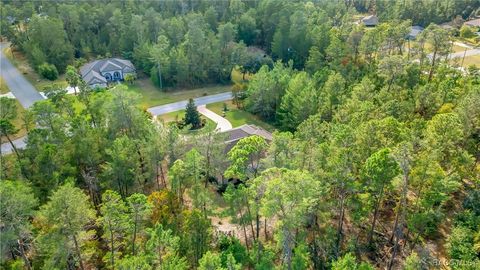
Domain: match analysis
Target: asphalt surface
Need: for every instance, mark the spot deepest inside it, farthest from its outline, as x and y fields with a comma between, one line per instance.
x=177, y=106
x=222, y=123
x=20, y=87
x=19, y=143
x=458, y=54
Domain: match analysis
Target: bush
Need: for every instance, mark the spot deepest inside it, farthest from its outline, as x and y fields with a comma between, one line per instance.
x=48, y=71
x=466, y=32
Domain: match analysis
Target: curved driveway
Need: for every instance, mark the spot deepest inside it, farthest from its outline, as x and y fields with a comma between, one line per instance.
x=20, y=87
x=222, y=123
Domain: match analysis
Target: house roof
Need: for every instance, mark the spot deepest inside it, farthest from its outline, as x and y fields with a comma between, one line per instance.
x=370, y=20
x=238, y=133
x=415, y=31
x=473, y=23
x=93, y=70
x=94, y=77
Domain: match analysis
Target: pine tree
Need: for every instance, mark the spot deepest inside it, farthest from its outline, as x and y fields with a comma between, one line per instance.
x=192, y=117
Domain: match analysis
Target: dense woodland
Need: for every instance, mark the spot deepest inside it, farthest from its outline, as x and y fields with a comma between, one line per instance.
x=375, y=163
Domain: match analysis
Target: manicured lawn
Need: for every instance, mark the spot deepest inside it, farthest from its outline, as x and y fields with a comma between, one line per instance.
x=20, y=61
x=172, y=116
x=238, y=117
x=237, y=76
x=152, y=96
x=3, y=86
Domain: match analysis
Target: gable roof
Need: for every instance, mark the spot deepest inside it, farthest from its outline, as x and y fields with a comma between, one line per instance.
x=473, y=23
x=238, y=133
x=95, y=68
x=94, y=77
x=370, y=20
x=415, y=31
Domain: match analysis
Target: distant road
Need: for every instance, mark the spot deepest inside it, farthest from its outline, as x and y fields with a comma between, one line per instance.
x=177, y=106
x=459, y=54
x=19, y=143
x=20, y=87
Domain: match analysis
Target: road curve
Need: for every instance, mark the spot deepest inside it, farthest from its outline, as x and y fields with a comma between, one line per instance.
x=20, y=87
x=180, y=105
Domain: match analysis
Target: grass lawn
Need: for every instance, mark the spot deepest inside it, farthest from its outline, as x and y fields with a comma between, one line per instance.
x=152, y=96
x=20, y=61
x=3, y=86
x=18, y=123
x=237, y=76
x=471, y=60
x=172, y=116
x=457, y=48
x=238, y=117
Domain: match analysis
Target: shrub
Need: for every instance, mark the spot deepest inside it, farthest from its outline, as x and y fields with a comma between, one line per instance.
x=466, y=32
x=48, y=71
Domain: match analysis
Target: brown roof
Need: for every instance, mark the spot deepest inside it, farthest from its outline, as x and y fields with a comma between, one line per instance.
x=474, y=23
x=236, y=134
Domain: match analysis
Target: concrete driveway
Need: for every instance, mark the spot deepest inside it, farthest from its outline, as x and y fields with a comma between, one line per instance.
x=177, y=106
x=222, y=123
x=20, y=87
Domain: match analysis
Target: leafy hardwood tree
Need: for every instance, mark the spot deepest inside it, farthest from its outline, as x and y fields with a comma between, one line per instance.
x=72, y=77
x=245, y=157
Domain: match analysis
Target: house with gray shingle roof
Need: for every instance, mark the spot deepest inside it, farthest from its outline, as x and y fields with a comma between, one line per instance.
x=370, y=21
x=238, y=133
x=414, y=32
x=101, y=72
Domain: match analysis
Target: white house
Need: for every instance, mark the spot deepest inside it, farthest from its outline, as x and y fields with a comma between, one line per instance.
x=101, y=72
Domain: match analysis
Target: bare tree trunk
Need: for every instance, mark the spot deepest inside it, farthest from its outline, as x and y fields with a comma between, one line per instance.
x=375, y=216
x=340, y=226
x=24, y=256
x=430, y=75
x=134, y=235
x=400, y=220
x=79, y=254
x=266, y=233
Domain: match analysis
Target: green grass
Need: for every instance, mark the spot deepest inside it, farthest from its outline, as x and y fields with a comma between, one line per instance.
x=152, y=96
x=172, y=116
x=3, y=86
x=20, y=61
x=471, y=60
x=18, y=123
x=238, y=117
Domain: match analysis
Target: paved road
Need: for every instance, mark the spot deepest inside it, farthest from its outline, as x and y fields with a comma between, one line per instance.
x=222, y=123
x=7, y=148
x=177, y=106
x=20, y=87
x=459, y=54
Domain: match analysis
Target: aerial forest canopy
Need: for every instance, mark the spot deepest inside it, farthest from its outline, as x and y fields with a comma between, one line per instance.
x=374, y=162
